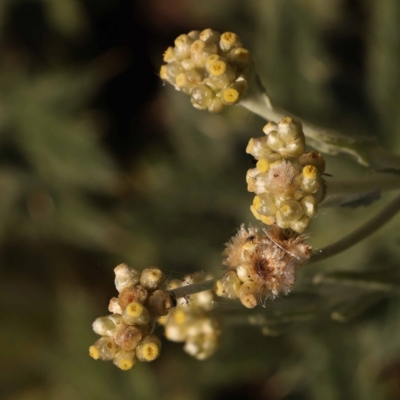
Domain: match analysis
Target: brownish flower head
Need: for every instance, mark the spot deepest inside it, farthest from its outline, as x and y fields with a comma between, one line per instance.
x=267, y=257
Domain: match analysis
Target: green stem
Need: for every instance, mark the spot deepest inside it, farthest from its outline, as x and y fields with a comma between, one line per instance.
x=361, y=233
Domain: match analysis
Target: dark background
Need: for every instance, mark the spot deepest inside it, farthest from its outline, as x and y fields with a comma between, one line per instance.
x=101, y=164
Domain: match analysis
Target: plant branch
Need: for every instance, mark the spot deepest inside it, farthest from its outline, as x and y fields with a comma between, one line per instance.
x=363, y=149
x=187, y=290
x=361, y=233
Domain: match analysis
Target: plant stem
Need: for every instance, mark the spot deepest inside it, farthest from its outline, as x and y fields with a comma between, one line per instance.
x=372, y=183
x=363, y=149
x=361, y=233
x=187, y=290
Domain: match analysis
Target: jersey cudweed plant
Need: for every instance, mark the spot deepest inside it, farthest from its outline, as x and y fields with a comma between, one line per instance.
x=261, y=261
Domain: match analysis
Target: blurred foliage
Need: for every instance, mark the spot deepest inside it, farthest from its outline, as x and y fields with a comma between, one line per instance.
x=100, y=164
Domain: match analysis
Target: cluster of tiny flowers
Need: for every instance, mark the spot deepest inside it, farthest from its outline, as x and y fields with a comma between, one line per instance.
x=287, y=180
x=211, y=68
x=126, y=333
x=190, y=323
x=262, y=264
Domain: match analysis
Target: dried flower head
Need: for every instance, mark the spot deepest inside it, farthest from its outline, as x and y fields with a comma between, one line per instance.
x=265, y=261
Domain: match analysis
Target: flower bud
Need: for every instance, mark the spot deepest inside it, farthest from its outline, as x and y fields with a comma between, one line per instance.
x=228, y=286
x=311, y=179
x=313, y=158
x=243, y=274
x=104, y=349
x=228, y=41
x=124, y=359
x=114, y=306
x=202, y=95
x=210, y=36
x=291, y=210
x=125, y=277
x=239, y=57
x=182, y=46
x=275, y=142
x=249, y=294
x=136, y=293
x=289, y=129
x=301, y=224
x=135, y=314
x=216, y=105
x=169, y=72
x=103, y=326
x=151, y=278
x=310, y=205
x=148, y=349
x=159, y=303
x=200, y=51
x=128, y=337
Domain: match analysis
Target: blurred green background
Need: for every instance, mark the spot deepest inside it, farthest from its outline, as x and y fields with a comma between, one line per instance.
x=101, y=164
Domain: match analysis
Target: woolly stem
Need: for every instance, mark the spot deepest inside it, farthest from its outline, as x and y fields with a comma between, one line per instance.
x=187, y=290
x=363, y=149
x=361, y=233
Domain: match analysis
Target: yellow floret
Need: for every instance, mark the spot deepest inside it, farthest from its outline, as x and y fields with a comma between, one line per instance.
x=231, y=95
x=262, y=165
x=310, y=171
x=125, y=364
x=94, y=352
x=134, y=309
x=150, y=351
x=229, y=38
x=181, y=80
x=217, y=68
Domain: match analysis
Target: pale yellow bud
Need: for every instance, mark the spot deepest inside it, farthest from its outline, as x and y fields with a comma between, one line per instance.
x=210, y=36
x=104, y=349
x=152, y=278
x=290, y=210
x=249, y=294
x=310, y=206
x=239, y=57
x=148, y=349
x=216, y=105
x=182, y=46
x=202, y=95
x=200, y=51
x=228, y=286
x=124, y=359
x=275, y=142
x=301, y=224
x=228, y=41
x=103, y=326
x=136, y=314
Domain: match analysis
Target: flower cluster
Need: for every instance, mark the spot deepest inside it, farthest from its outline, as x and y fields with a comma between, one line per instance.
x=126, y=333
x=211, y=68
x=189, y=322
x=287, y=179
x=262, y=264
